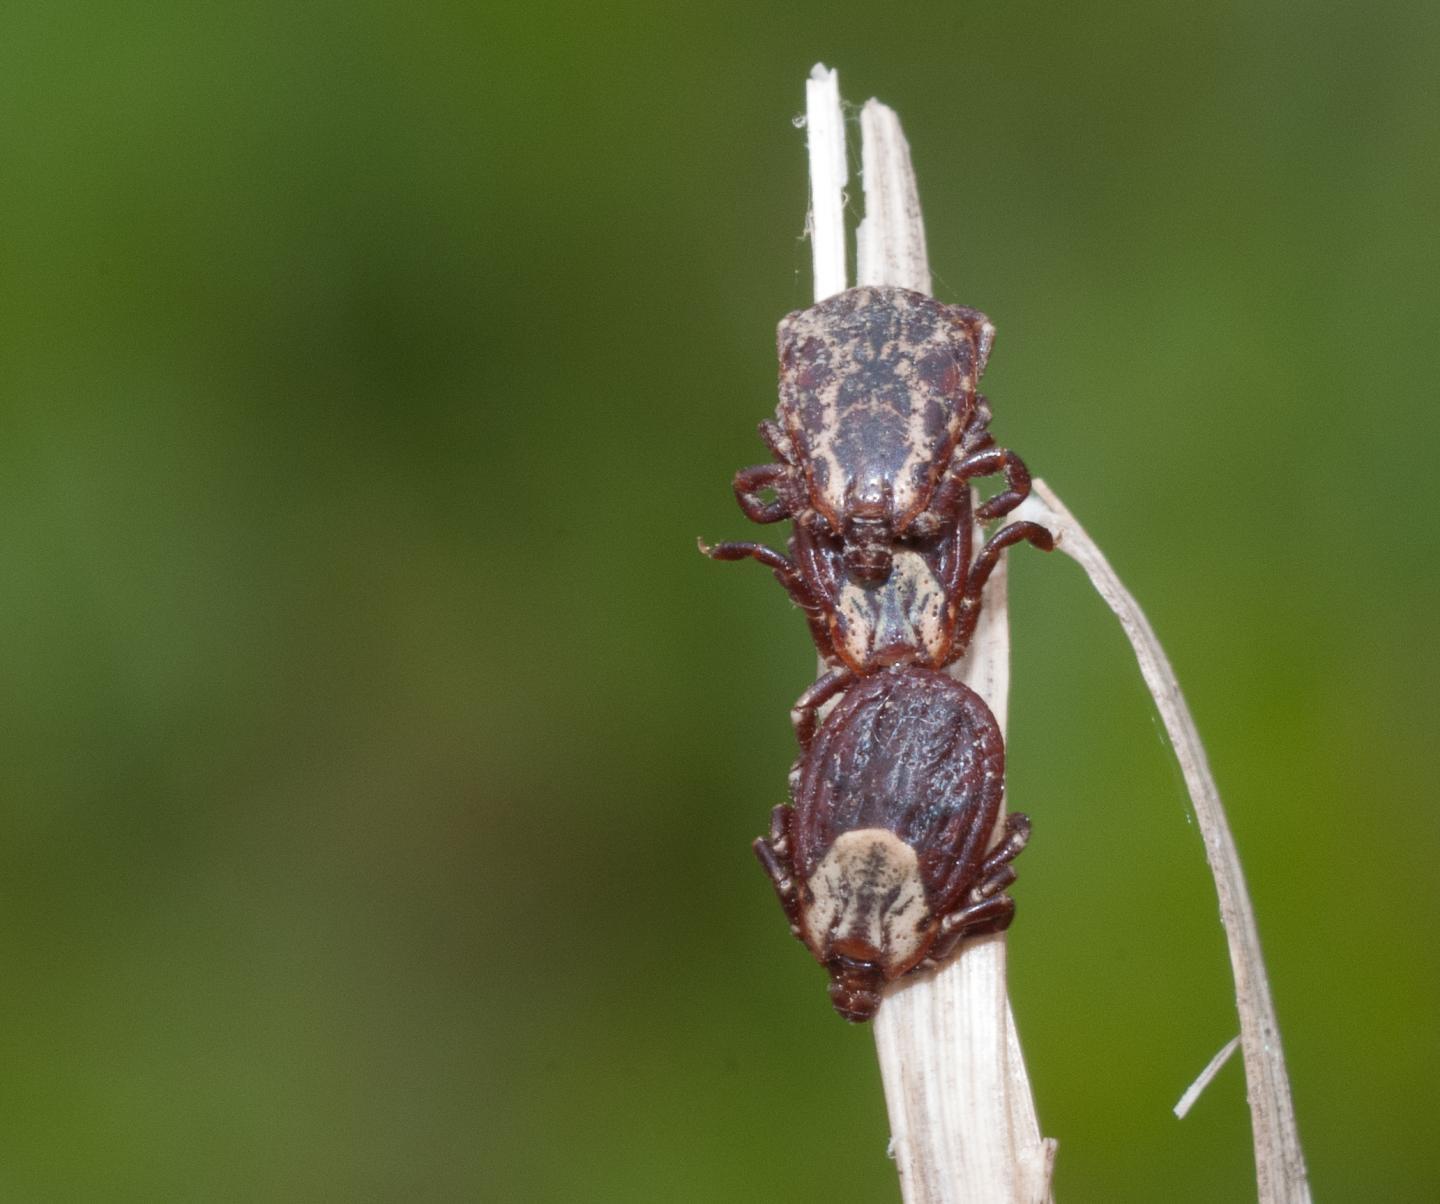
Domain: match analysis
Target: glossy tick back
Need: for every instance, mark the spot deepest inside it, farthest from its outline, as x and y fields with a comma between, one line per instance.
x=883, y=863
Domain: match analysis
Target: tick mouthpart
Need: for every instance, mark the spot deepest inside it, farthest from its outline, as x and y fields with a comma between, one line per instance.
x=855, y=988
x=867, y=551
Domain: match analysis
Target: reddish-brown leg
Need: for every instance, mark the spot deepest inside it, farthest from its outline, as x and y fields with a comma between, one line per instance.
x=949, y=498
x=980, y=572
x=790, y=578
x=785, y=570
x=976, y=434
x=989, y=462
x=953, y=562
x=777, y=859
x=990, y=554
x=781, y=476
x=975, y=919
x=818, y=562
x=1012, y=841
x=975, y=878
x=978, y=457
x=805, y=713
x=988, y=910
x=751, y=482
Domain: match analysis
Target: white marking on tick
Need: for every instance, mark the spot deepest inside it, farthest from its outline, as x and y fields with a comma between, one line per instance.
x=905, y=612
x=867, y=888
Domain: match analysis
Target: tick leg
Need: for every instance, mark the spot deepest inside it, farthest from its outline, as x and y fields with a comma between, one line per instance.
x=777, y=860
x=975, y=919
x=945, y=506
x=1014, y=839
x=988, y=909
x=997, y=871
x=988, y=462
x=784, y=568
x=954, y=555
x=980, y=571
x=976, y=435
x=790, y=577
x=805, y=713
x=751, y=482
x=817, y=562
x=952, y=560
x=777, y=441
x=978, y=457
x=990, y=554
x=979, y=878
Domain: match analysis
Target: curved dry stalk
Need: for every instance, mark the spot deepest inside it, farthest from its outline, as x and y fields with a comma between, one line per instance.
x=1279, y=1162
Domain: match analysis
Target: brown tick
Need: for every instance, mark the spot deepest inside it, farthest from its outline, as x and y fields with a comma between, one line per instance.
x=883, y=864
x=878, y=433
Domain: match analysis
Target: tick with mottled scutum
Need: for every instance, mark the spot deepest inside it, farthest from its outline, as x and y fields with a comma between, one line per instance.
x=883, y=862
x=878, y=434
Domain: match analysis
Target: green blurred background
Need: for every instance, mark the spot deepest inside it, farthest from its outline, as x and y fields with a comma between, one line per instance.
x=379, y=756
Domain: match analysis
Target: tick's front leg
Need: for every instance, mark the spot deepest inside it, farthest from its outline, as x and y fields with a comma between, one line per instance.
x=777, y=441
x=751, y=482
x=989, y=462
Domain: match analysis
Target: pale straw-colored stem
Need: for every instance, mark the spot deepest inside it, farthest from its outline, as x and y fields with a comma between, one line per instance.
x=825, y=145
x=1279, y=1162
x=962, y=1120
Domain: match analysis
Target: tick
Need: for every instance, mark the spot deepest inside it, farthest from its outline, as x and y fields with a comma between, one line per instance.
x=879, y=423
x=878, y=433
x=883, y=861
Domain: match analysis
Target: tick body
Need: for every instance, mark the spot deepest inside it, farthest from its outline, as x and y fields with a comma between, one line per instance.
x=883, y=861
x=877, y=436
x=877, y=390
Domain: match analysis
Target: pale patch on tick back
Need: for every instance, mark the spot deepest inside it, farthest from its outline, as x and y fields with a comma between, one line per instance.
x=902, y=619
x=868, y=888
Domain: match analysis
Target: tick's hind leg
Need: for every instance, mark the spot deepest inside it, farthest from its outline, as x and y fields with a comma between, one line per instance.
x=975, y=919
x=777, y=860
x=986, y=910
